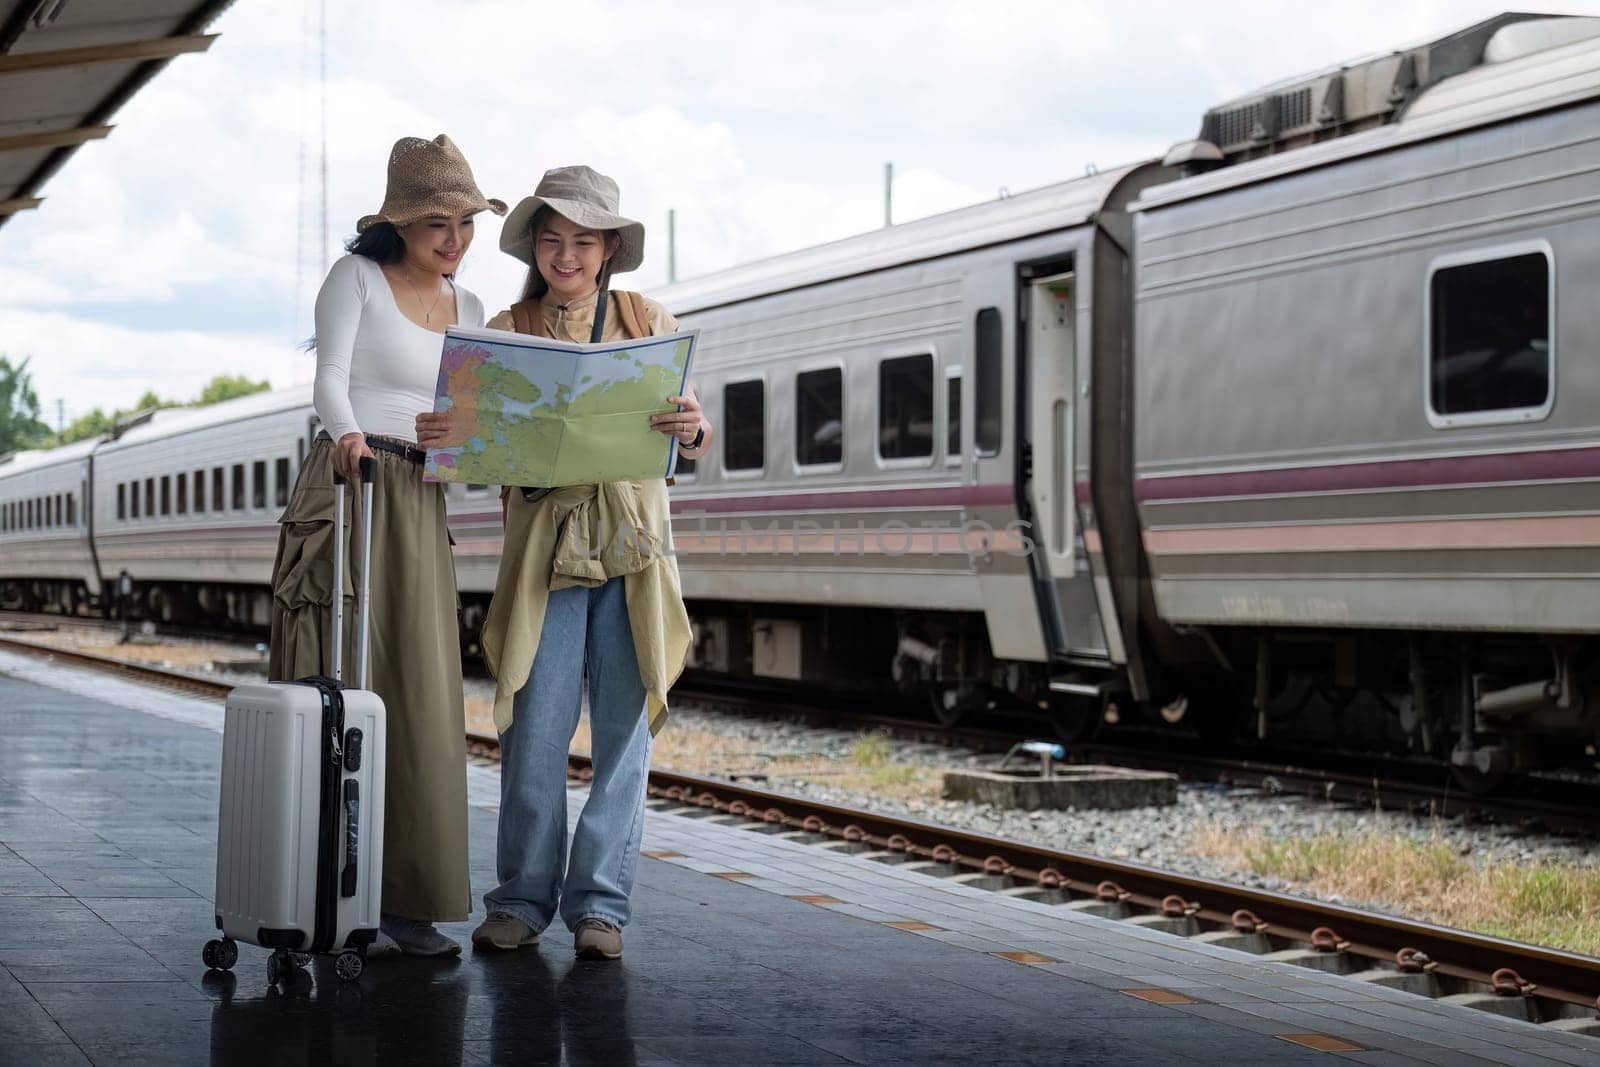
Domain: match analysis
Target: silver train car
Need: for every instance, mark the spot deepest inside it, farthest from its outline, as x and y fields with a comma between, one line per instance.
x=45, y=543
x=187, y=501
x=1367, y=395
x=1292, y=434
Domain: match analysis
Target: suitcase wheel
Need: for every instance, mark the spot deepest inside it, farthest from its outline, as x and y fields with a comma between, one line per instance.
x=220, y=955
x=348, y=966
x=278, y=967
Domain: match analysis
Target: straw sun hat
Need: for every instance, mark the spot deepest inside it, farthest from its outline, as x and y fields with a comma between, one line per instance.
x=428, y=178
x=588, y=198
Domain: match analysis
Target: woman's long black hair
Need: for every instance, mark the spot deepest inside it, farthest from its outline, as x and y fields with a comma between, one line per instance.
x=381, y=242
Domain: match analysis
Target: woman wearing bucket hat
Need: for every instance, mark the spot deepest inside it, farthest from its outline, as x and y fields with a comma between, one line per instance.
x=380, y=316
x=619, y=624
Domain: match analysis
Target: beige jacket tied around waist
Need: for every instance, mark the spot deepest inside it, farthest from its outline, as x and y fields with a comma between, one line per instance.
x=586, y=535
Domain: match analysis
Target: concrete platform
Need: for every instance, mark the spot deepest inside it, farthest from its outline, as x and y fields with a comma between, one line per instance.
x=747, y=949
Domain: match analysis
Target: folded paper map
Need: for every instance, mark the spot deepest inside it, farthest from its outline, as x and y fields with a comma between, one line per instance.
x=535, y=412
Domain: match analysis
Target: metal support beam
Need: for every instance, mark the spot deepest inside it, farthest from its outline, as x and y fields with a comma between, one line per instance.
x=53, y=138
x=21, y=203
x=131, y=51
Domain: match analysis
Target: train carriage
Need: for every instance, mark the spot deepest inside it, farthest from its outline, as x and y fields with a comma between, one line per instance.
x=900, y=439
x=1368, y=394
x=188, y=502
x=45, y=530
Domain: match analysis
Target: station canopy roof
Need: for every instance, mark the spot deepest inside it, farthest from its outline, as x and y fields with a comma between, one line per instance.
x=67, y=66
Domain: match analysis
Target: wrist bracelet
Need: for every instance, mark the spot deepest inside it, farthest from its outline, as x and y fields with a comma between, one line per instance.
x=699, y=439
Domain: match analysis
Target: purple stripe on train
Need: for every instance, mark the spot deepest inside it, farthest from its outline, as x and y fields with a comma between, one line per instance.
x=1543, y=465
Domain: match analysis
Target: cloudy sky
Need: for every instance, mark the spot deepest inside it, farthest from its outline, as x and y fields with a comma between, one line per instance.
x=189, y=243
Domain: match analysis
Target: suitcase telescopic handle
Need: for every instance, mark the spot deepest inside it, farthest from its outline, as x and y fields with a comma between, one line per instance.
x=337, y=605
x=369, y=468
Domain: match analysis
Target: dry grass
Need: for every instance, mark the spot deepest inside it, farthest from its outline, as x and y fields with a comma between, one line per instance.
x=869, y=766
x=1554, y=904
x=151, y=651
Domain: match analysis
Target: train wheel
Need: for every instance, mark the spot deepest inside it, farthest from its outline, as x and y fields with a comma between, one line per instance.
x=947, y=704
x=1076, y=718
x=1475, y=782
x=951, y=704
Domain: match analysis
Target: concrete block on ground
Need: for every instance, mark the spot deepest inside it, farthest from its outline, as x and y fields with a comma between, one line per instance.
x=1418, y=982
x=1510, y=1007
x=1089, y=786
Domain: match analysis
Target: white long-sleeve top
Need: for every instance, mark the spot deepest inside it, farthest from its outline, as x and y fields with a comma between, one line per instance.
x=376, y=369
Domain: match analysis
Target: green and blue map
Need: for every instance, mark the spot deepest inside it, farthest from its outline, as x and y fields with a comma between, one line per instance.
x=534, y=412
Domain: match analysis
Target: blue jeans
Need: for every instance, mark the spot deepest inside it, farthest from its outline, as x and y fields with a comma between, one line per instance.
x=586, y=635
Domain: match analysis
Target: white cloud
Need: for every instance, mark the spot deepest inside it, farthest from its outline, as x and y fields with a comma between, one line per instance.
x=90, y=364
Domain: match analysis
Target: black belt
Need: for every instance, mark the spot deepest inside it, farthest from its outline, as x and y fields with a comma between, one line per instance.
x=415, y=455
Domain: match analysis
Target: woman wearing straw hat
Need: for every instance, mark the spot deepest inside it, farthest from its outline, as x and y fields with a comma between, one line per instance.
x=380, y=316
x=553, y=627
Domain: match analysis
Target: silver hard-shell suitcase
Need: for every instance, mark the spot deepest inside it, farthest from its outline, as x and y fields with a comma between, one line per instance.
x=300, y=826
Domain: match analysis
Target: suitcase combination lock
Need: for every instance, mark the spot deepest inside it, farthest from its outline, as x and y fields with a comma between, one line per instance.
x=352, y=749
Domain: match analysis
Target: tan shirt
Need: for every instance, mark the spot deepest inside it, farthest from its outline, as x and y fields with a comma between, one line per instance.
x=587, y=535
x=573, y=321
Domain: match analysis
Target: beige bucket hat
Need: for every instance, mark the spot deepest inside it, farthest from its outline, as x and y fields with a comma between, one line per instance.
x=588, y=198
x=428, y=178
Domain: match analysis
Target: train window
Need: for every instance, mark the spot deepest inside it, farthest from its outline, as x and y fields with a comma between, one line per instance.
x=280, y=481
x=150, y=498
x=166, y=494
x=133, y=499
x=258, y=484
x=72, y=509
x=744, y=442
x=905, y=407
x=819, y=416
x=952, y=415
x=219, y=491
x=988, y=368
x=182, y=478
x=238, y=487
x=199, y=491
x=60, y=511
x=1489, y=345
x=122, y=500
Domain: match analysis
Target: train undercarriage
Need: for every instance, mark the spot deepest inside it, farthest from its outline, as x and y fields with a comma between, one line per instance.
x=211, y=606
x=1484, y=705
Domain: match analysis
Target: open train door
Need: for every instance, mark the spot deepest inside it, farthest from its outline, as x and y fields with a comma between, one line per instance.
x=1064, y=590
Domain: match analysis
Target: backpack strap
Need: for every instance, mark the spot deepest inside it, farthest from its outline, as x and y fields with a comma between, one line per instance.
x=527, y=318
x=631, y=311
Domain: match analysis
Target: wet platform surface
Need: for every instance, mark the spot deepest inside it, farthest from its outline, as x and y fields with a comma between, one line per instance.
x=745, y=949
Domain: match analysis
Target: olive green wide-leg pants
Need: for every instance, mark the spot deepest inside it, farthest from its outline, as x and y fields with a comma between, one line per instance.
x=415, y=662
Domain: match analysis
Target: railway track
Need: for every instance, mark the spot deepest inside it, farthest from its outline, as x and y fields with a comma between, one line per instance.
x=1545, y=985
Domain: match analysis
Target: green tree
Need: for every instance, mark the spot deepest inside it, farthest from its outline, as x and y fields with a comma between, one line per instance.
x=97, y=422
x=149, y=401
x=93, y=424
x=229, y=387
x=20, y=426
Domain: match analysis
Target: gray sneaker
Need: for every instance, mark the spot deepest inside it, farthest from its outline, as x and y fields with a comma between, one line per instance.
x=417, y=938
x=596, y=939
x=503, y=930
